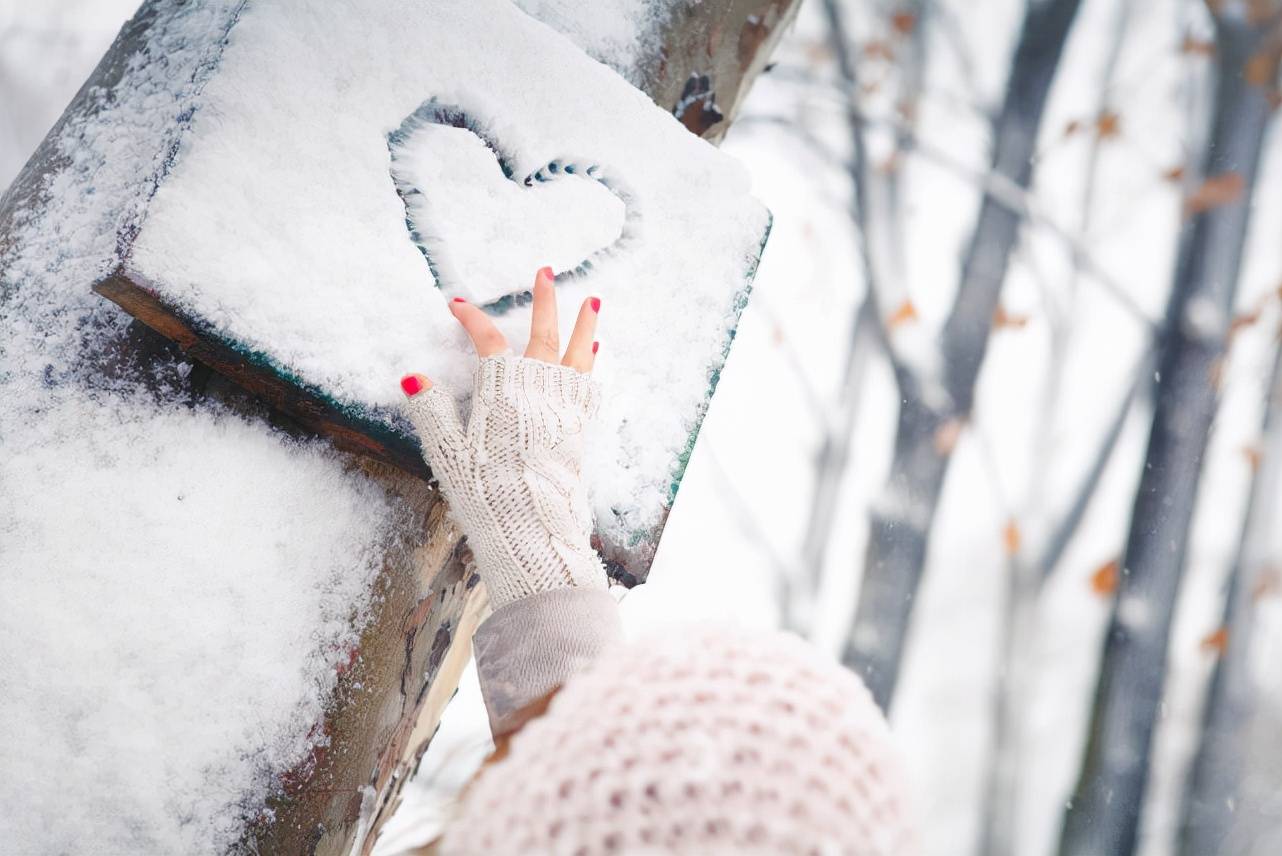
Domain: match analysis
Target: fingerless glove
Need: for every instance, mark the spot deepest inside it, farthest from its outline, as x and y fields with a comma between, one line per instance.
x=512, y=475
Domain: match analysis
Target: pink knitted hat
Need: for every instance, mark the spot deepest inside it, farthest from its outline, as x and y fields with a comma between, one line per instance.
x=705, y=742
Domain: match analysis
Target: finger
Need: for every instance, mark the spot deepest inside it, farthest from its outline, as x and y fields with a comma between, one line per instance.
x=413, y=384
x=545, y=340
x=579, y=353
x=480, y=329
x=435, y=418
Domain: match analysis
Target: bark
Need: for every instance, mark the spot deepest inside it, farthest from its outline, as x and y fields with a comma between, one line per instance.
x=878, y=218
x=1213, y=798
x=389, y=700
x=901, y=521
x=1103, y=815
x=711, y=53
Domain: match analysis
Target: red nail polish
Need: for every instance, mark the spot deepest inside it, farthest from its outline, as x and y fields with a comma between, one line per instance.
x=595, y=345
x=547, y=272
x=459, y=300
x=411, y=385
x=596, y=304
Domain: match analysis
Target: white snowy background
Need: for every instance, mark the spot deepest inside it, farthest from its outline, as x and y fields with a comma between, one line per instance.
x=740, y=516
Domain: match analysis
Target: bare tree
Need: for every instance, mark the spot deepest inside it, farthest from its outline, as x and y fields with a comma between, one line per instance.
x=1103, y=815
x=1213, y=788
x=929, y=404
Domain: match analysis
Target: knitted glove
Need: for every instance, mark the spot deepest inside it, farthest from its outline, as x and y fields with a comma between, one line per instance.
x=512, y=476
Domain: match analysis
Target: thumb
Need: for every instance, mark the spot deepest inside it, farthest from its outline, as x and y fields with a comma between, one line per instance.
x=432, y=411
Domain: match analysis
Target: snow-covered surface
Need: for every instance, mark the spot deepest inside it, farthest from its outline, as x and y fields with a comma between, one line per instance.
x=178, y=583
x=279, y=223
x=623, y=34
x=460, y=207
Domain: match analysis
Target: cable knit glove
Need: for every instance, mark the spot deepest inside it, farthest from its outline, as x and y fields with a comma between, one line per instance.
x=512, y=476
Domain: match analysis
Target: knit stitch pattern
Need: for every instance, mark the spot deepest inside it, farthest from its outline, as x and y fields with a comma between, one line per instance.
x=704, y=742
x=512, y=476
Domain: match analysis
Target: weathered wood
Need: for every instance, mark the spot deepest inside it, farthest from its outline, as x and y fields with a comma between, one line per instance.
x=1104, y=813
x=711, y=53
x=390, y=696
x=348, y=430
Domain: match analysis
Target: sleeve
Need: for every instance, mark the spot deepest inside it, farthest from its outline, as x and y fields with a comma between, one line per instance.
x=530, y=647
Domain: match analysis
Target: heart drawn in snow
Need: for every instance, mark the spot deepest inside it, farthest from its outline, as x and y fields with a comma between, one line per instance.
x=485, y=232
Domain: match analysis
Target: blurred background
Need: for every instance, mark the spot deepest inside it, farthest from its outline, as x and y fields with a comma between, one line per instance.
x=998, y=429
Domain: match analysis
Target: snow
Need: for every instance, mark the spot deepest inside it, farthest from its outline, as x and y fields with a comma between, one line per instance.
x=623, y=34
x=469, y=209
x=300, y=253
x=179, y=583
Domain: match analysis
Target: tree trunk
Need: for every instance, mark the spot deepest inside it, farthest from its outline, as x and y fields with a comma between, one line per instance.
x=1212, y=800
x=901, y=520
x=1103, y=816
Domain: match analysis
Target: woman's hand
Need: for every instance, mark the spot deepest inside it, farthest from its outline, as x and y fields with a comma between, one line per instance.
x=512, y=475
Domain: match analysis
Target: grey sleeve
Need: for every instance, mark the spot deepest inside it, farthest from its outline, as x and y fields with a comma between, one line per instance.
x=531, y=646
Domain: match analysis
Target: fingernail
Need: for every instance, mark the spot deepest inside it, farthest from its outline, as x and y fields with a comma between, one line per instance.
x=412, y=385
x=596, y=304
x=547, y=272
x=595, y=345
x=459, y=300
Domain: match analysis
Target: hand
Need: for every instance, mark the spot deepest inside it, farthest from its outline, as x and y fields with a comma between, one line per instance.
x=512, y=475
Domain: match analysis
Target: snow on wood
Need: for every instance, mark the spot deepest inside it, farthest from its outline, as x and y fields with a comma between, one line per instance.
x=276, y=246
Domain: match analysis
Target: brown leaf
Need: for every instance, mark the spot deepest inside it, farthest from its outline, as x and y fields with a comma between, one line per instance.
x=1197, y=47
x=1108, y=125
x=1175, y=174
x=1215, y=191
x=1011, y=537
x=1266, y=584
x=1243, y=320
x=1005, y=320
x=1072, y=128
x=947, y=435
x=1104, y=578
x=1217, y=640
x=1261, y=69
x=906, y=313
x=878, y=49
x=903, y=23
x=1254, y=455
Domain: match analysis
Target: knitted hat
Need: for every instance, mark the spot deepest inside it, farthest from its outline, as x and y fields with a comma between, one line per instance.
x=704, y=742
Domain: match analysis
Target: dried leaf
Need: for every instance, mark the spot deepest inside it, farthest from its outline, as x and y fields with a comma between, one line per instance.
x=1011, y=538
x=903, y=22
x=1108, y=125
x=878, y=49
x=1261, y=69
x=1105, y=577
x=1217, y=640
x=1266, y=584
x=1254, y=456
x=1217, y=190
x=1175, y=174
x=1197, y=47
x=947, y=435
x=906, y=313
x=1243, y=320
x=1072, y=128
x=1005, y=320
